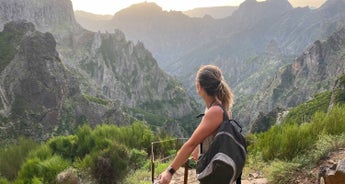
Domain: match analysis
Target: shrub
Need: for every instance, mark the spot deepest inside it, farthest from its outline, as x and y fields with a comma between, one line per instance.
x=46, y=170
x=13, y=156
x=110, y=165
x=304, y=112
x=85, y=142
x=280, y=172
x=43, y=152
x=138, y=136
x=335, y=121
x=65, y=146
x=137, y=158
x=4, y=181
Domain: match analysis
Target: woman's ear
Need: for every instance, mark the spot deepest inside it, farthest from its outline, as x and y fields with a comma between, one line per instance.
x=198, y=88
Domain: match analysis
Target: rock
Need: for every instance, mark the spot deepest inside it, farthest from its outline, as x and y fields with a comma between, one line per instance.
x=68, y=176
x=334, y=174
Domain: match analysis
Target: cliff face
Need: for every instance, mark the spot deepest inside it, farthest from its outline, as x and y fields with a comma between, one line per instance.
x=105, y=70
x=249, y=46
x=118, y=68
x=39, y=96
x=46, y=15
x=126, y=71
x=315, y=71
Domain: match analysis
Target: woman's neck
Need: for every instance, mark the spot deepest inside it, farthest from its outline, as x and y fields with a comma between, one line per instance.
x=209, y=101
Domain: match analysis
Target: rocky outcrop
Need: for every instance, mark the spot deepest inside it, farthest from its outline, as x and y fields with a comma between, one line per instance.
x=40, y=97
x=109, y=71
x=338, y=93
x=46, y=15
x=264, y=121
x=315, y=71
x=334, y=174
x=250, y=46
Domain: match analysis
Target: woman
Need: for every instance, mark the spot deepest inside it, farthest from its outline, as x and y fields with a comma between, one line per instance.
x=214, y=91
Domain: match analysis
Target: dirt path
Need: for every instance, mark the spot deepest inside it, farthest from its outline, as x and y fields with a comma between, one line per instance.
x=304, y=177
x=178, y=178
x=311, y=176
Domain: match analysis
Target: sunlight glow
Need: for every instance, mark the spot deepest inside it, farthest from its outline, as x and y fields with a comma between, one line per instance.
x=112, y=6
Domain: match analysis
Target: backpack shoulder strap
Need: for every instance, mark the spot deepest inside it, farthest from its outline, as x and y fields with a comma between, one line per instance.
x=232, y=121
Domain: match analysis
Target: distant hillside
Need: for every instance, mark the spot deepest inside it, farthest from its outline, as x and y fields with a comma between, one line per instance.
x=250, y=45
x=39, y=96
x=215, y=12
x=316, y=70
x=91, y=21
x=107, y=70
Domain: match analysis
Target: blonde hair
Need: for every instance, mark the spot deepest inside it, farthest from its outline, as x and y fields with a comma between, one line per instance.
x=212, y=81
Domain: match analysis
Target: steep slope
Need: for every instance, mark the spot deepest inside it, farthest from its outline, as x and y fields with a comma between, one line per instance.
x=245, y=35
x=46, y=15
x=39, y=96
x=169, y=35
x=316, y=70
x=106, y=65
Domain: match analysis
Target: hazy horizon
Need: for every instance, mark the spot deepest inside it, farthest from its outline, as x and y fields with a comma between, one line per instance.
x=110, y=7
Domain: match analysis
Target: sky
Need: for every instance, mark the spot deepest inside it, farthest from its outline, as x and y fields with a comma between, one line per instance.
x=112, y=6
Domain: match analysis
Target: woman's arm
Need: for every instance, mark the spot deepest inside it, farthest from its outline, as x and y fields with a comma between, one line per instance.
x=209, y=123
x=196, y=152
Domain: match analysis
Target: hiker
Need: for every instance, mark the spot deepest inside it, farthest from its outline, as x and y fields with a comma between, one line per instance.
x=215, y=92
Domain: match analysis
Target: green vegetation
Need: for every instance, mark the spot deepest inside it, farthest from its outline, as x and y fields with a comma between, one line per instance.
x=290, y=140
x=96, y=99
x=13, y=156
x=153, y=119
x=284, y=150
x=105, y=154
x=340, y=94
x=111, y=154
x=305, y=111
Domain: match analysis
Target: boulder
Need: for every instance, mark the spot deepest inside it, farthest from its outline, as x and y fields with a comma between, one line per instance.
x=334, y=174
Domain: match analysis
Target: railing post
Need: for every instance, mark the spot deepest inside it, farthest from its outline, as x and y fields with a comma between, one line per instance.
x=186, y=167
x=152, y=164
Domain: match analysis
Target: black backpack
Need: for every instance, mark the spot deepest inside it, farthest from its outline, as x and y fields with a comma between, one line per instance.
x=224, y=161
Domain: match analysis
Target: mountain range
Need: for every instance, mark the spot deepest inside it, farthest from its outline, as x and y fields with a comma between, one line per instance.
x=55, y=81
x=56, y=75
x=250, y=45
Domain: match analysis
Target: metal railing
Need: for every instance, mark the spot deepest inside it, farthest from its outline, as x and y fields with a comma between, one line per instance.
x=186, y=165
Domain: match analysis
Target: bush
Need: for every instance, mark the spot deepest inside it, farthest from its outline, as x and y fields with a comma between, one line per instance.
x=303, y=112
x=45, y=170
x=335, y=121
x=4, y=181
x=65, y=146
x=111, y=164
x=280, y=172
x=138, y=136
x=43, y=152
x=137, y=158
x=290, y=139
x=85, y=142
x=13, y=156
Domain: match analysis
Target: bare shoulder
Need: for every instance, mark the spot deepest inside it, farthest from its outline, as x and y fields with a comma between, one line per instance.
x=214, y=113
x=216, y=109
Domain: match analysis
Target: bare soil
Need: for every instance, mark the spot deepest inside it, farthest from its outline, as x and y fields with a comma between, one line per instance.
x=303, y=177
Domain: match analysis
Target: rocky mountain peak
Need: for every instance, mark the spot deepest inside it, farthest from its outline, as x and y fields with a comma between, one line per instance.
x=141, y=10
x=38, y=94
x=21, y=26
x=314, y=71
x=45, y=14
x=251, y=11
